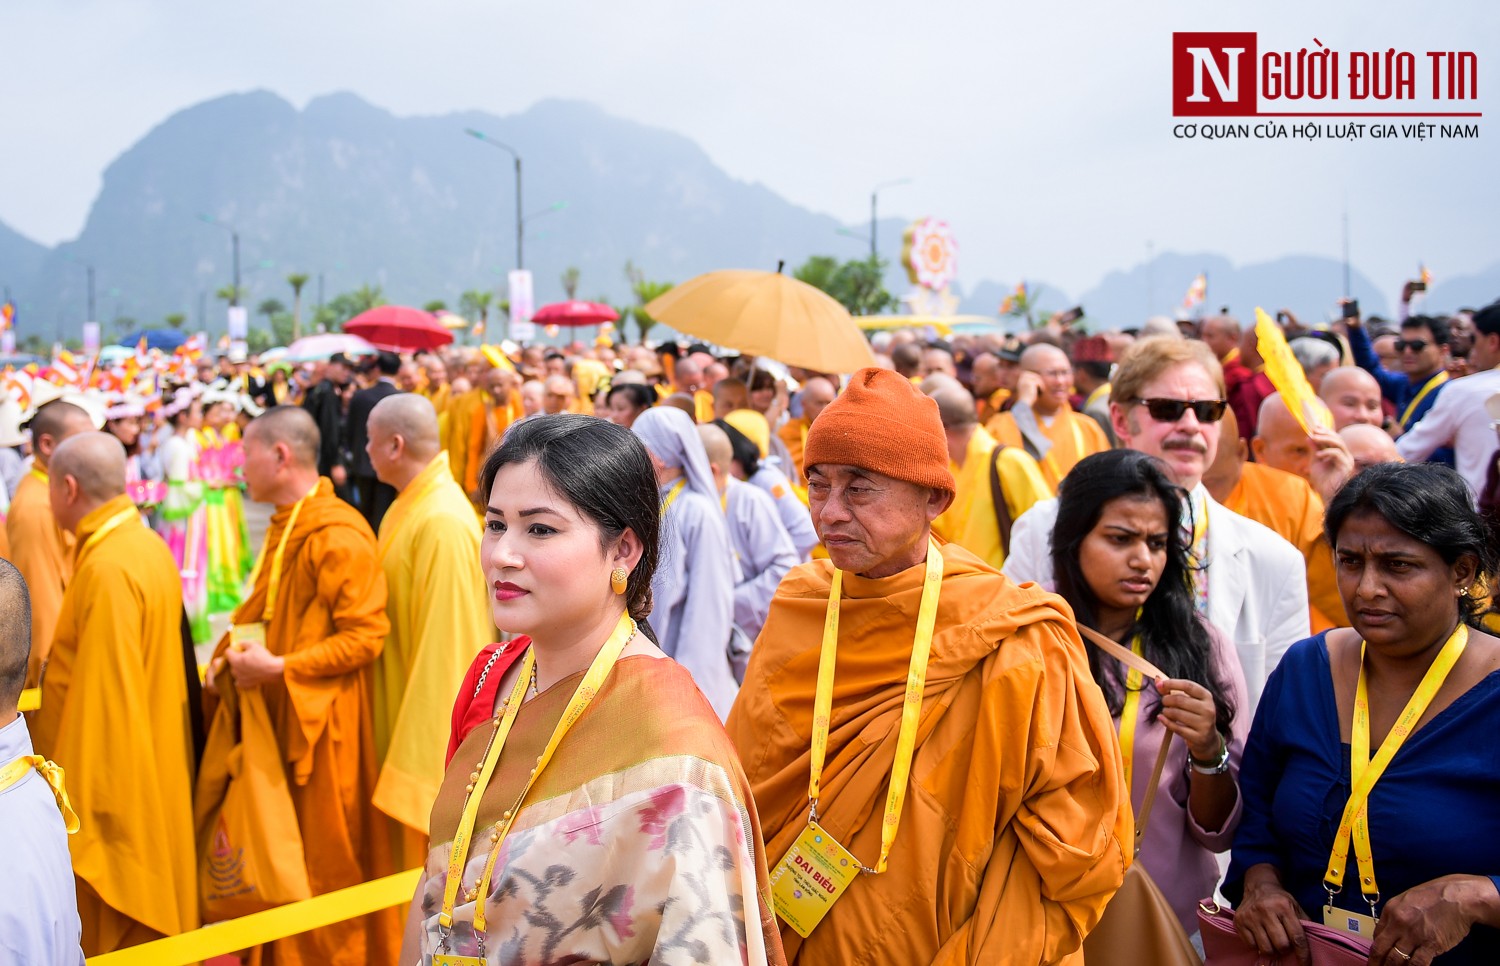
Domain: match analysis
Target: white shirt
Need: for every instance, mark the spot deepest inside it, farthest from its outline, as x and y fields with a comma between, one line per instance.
x=1458, y=419
x=38, y=902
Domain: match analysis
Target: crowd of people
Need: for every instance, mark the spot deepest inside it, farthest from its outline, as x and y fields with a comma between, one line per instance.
x=664, y=653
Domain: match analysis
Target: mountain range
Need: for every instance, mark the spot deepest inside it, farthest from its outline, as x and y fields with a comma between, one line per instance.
x=351, y=195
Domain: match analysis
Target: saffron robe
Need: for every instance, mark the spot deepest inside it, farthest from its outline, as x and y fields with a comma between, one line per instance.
x=1289, y=505
x=1016, y=824
x=114, y=714
x=43, y=552
x=1072, y=434
x=329, y=624
x=487, y=425
x=970, y=521
x=794, y=434
x=465, y=412
x=439, y=612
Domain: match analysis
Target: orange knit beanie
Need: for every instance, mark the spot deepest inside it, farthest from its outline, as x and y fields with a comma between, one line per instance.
x=882, y=422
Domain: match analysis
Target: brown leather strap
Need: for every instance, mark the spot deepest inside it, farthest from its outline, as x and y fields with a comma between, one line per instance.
x=1131, y=659
x=997, y=494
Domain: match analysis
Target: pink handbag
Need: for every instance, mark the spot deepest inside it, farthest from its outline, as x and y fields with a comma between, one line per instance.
x=1222, y=946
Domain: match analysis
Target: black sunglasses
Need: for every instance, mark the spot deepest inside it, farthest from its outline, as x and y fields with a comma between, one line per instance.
x=1171, y=410
x=1415, y=345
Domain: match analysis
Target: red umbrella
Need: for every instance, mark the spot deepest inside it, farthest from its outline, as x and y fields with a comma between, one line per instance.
x=575, y=313
x=398, y=328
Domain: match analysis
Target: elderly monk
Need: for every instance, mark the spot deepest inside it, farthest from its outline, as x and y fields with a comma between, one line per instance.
x=688, y=380
x=1043, y=421
x=498, y=406
x=1369, y=445
x=1012, y=834
x=730, y=395
x=817, y=393
x=992, y=479
x=309, y=641
x=40, y=549
x=1281, y=443
x=1353, y=396
x=1288, y=505
x=438, y=609
x=114, y=708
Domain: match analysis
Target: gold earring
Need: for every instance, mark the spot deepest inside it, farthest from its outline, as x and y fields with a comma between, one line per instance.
x=1463, y=592
x=619, y=578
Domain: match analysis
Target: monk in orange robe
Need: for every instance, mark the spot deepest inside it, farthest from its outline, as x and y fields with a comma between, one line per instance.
x=499, y=405
x=1013, y=833
x=1042, y=420
x=114, y=708
x=1288, y=505
x=323, y=630
x=817, y=393
x=40, y=549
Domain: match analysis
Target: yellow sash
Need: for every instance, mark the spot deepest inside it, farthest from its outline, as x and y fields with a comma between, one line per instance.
x=671, y=497
x=1422, y=394
x=275, y=579
x=52, y=774
x=1134, y=682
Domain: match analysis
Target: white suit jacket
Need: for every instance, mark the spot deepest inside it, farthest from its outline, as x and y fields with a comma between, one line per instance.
x=1257, y=585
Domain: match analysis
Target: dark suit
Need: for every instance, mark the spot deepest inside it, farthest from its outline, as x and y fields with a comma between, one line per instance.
x=370, y=496
x=327, y=410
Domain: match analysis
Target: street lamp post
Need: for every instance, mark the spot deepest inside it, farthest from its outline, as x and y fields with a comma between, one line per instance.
x=520, y=220
x=875, y=194
x=234, y=240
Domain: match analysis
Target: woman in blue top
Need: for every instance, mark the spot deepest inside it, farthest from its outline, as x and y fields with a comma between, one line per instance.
x=1412, y=556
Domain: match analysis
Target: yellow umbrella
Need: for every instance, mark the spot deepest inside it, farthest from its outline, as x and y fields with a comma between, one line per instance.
x=766, y=314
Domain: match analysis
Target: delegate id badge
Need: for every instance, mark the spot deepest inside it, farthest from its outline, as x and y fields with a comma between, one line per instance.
x=243, y=635
x=1351, y=922
x=450, y=959
x=810, y=878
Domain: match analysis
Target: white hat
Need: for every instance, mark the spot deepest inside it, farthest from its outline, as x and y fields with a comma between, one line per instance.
x=10, y=423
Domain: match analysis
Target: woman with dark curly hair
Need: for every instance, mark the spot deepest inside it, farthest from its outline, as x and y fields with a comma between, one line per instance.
x=1372, y=792
x=593, y=808
x=1124, y=570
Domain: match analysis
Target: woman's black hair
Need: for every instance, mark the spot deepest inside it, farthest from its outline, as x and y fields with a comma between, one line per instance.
x=1429, y=503
x=641, y=397
x=1173, y=636
x=746, y=453
x=604, y=472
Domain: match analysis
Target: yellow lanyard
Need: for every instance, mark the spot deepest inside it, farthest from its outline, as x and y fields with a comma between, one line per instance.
x=1416, y=401
x=40, y=474
x=671, y=497
x=397, y=513
x=275, y=579
x=1097, y=395
x=1134, y=682
x=911, y=704
x=1364, y=773
x=52, y=774
x=583, y=695
x=105, y=528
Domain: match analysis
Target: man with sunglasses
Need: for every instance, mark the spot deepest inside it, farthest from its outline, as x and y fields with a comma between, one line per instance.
x=1168, y=401
x=1459, y=418
x=1423, y=348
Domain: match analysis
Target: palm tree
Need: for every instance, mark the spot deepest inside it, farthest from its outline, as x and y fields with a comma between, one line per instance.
x=475, y=306
x=570, y=281
x=296, y=280
x=436, y=306
x=176, y=320
x=644, y=292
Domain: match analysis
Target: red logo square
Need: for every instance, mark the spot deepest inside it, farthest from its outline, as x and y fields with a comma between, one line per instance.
x=1213, y=74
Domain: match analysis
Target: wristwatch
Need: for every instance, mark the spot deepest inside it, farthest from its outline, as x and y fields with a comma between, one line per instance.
x=1219, y=767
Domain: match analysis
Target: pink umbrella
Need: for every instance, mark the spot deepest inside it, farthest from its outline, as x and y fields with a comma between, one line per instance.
x=575, y=313
x=399, y=328
x=317, y=347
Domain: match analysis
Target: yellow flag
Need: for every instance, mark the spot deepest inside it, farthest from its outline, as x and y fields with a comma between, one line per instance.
x=496, y=358
x=1286, y=374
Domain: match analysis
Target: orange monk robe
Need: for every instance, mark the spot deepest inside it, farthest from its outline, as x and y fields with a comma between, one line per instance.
x=794, y=434
x=1016, y=823
x=465, y=413
x=43, y=552
x=1290, y=506
x=970, y=520
x=329, y=624
x=438, y=396
x=439, y=610
x=703, y=401
x=589, y=375
x=114, y=714
x=991, y=406
x=487, y=426
x=1073, y=437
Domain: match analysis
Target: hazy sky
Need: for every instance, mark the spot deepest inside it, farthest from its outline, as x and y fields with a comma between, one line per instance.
x=1041, y=132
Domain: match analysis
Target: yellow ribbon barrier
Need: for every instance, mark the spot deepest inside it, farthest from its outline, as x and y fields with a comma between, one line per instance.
x=31, y=699
x=233, y=935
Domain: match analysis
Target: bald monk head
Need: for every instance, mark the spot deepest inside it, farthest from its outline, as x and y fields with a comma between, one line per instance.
x=15, y=638
x=1223, y=474
x=817, y=393
x=720, y=453
x=688, y=375
x=281, y=455
x=1369, y=445
x=1050, y=365
x=729, y=395
x=54, y=423
x=956, y=410
x=684, y=402
x=1280, y=442
x=1353, y=396
x=403, y=438
x=557, y=395
x=939, y=361
x=87, y=471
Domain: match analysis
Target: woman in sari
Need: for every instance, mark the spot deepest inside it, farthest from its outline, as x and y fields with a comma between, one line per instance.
x=221, y=457
x=593, y=809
